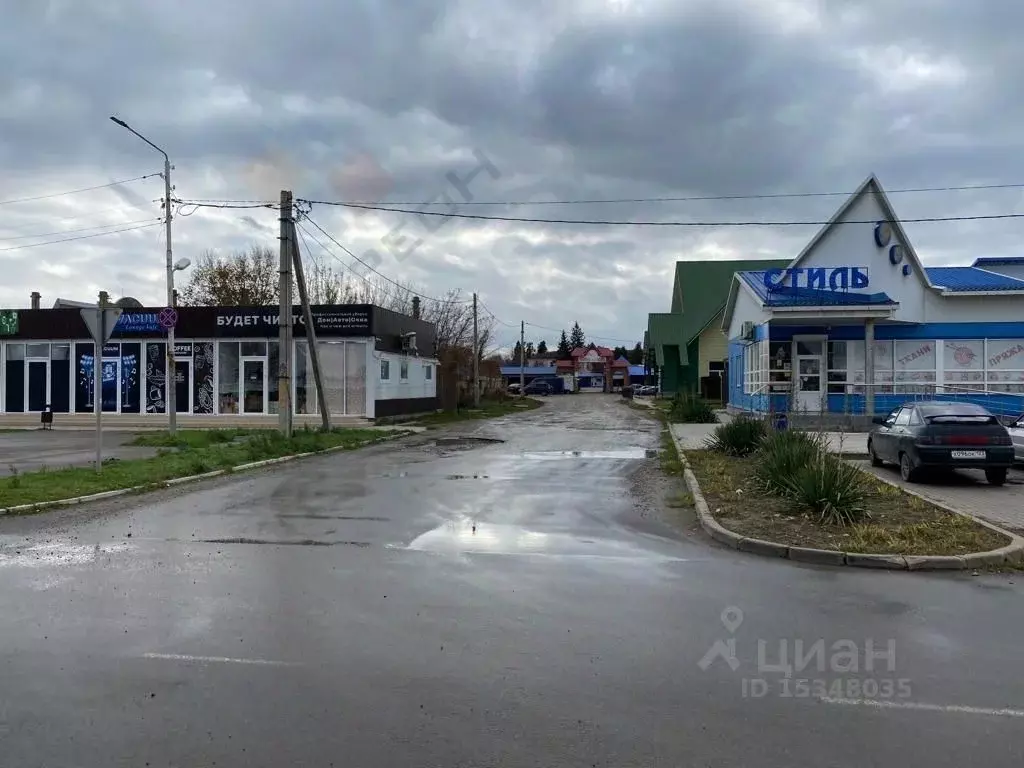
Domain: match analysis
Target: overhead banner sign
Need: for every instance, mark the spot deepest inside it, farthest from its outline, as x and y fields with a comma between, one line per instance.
x=339, y=321
x=138, y=322
x=817, y=278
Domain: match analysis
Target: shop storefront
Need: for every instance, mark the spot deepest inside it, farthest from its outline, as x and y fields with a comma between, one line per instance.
x=226, y=362
x=857, y=325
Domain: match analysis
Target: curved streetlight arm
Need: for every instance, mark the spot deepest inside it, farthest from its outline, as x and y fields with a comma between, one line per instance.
x=127, y=127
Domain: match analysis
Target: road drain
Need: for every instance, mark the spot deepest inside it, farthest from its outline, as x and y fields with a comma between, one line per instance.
x=275, y=543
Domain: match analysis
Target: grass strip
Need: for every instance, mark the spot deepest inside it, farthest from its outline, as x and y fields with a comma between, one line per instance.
x=899, y=523
x=190, y=452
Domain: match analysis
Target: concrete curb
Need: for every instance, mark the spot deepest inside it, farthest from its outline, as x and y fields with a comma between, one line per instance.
x=42, y=505
x=1012, y=552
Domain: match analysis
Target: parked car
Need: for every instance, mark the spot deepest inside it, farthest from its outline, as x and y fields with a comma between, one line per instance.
x=646, y=390
x=537, y=387
x=513, y=388
x=1016, y=431
x=942, y=435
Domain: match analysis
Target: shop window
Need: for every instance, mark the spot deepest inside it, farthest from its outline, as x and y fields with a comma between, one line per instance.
x=1004, y=360
x=156, y=377
x=914, y=366
x=403, y=370
x=227, y=377
x=202, y=377
x=60, y=377
x=254, y=348
x=14, y=370
x=428, y=372
x=84, y=382
x=385, y=370
x=845, y=367
x=963, y=365
x=131, y=354
x=37, y=350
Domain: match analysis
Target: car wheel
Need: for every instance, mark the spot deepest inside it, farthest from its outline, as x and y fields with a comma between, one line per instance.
x=875, y=461
x=996, y=475
x=907, y=469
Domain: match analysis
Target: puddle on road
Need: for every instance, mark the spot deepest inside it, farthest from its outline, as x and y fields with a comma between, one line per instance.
x=285, y=542
x=622, y=453
x=465, y=537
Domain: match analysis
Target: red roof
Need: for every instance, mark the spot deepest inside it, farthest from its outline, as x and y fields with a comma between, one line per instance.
x=602, y=351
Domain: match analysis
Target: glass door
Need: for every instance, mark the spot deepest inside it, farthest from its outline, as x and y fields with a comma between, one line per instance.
x=254, y=386
x=810, y=388
x=36, y=384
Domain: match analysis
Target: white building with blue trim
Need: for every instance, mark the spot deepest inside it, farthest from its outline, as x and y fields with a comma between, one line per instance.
x=799, y=337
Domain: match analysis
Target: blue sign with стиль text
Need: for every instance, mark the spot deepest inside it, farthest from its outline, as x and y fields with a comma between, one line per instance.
x=817, y=278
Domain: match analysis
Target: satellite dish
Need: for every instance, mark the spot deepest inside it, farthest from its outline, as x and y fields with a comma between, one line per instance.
x=128, y=302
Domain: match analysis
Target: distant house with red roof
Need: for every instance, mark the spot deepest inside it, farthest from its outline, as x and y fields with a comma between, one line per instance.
x=595, y=368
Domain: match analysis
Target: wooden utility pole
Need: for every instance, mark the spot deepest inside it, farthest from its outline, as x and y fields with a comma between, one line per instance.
x=284, y=289
x=476, y=358
x=307, y=315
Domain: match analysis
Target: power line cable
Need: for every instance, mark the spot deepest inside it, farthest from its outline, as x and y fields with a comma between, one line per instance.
x=76, y=191
x=82, y=237
x=627, y=223
x=696, y=198
x=376, y=272
x=82, y=229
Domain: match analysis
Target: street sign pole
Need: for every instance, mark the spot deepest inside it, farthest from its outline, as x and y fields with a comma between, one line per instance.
x=97, y=386
x=100, y=322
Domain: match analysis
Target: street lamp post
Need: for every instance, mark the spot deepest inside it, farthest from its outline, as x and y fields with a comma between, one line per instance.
x=171, y=377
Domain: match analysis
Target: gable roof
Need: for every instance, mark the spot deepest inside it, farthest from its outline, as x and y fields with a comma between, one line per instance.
x=1003, y=261
x=704, y=287
x=870, y=185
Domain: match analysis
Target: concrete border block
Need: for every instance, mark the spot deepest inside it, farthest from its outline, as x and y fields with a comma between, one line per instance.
x=888, y=562
x=762, y=547
x=817, y=556
x=935, y=563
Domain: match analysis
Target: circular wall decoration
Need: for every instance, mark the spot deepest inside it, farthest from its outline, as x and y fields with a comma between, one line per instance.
x=896, y=254
x=883, y=234
x=906, y=270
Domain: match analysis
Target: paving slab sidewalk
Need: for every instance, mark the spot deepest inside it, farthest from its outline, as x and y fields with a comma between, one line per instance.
x=693, y=437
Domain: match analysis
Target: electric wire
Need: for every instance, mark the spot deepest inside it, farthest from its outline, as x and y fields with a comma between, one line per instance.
x=76, y=191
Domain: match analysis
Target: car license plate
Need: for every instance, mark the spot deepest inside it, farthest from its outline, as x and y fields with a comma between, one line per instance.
x=967, y=454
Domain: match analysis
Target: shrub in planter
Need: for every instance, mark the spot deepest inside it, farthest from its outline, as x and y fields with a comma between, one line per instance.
x=828, y=488
x=740, y=437
x=781, y=454
x=687, y=409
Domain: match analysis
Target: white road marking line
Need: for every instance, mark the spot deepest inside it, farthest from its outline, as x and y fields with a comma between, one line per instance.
x=218, y=660
x=948, y=708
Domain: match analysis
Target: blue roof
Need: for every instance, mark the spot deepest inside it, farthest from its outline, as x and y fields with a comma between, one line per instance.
x=530, y=370
x=784, y=296
x=1001, y=261
x=966, y=279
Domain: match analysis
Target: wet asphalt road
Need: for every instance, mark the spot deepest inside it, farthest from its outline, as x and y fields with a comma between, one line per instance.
x=343, y=611
x=32, y=449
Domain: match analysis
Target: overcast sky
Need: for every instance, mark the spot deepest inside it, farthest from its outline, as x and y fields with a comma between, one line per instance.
x=562, y=99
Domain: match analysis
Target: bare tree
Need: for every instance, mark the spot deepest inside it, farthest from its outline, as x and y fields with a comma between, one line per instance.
x=241, y=278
